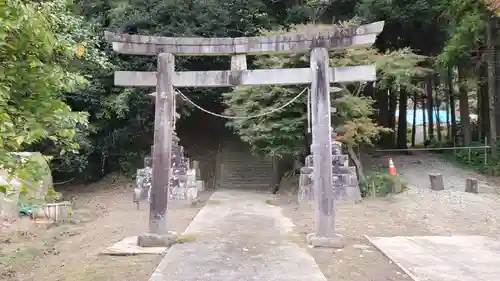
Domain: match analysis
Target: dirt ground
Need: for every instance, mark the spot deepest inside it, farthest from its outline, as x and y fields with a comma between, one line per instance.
x=416, y=211
x=104, y=213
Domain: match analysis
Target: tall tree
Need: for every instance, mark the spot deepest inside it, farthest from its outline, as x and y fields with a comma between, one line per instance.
x=38, y=67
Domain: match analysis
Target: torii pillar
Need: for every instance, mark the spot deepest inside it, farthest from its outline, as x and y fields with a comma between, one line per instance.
x=158, y=234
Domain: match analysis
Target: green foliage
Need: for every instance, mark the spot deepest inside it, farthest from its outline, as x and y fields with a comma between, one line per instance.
x=284, y=133
x=475, y=159
x=121, y=120
x=38, y=66
x=379, y=184
x=411, y=24
x=68, y=107
x=354, y=123
x=277, y=134
x=465, y=23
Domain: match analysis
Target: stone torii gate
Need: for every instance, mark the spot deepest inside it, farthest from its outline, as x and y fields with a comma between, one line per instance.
x=319, y=75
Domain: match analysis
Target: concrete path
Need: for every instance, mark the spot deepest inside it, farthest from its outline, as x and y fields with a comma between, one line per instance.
x=443, y=258
x=237, y=236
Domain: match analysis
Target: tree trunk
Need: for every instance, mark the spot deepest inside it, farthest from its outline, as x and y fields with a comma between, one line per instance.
x=430, y=107
x=464, y=108
x=414, y=123
x=483, y=100
x=424, y=119
x=393, y=102
x=438, y=109
x=451, y=94
x=496, y=59
x=383, y=115
x=481, y=107
x=402, y=139
x=490, y=60
x=357, y=163
x=448, y=127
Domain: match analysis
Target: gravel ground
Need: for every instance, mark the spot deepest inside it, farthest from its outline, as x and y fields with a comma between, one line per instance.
x=416, y=211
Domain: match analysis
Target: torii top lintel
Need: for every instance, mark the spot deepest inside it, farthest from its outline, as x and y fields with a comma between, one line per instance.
x=285, y=43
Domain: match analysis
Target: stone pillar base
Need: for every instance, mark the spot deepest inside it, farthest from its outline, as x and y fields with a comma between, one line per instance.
x=337, y=241
x=157, y=240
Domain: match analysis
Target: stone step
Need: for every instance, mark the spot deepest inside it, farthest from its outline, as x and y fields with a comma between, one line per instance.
x=245, y=185
x=245, y=179
x=241, y=169
x=245, y=176
x=245, y=162
x=255, y=173
x=243, y=156
x=246, y=169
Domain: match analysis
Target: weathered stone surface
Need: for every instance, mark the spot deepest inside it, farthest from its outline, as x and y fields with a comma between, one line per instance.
x=309, y=161
x=471, y=185
x=340, y=160
x=200, y=185
x=128, y=247
x=443, y=258
x=343, y=170
x=9, y=206
x=148, y=161
x=144, y=180
x=336, y=242
x=255, y=77
x=157, y=240
x=36, y=191
x=183, y=184
x=336, y=148
x=436, y=181
x=306, y=170
x=345, y=179
x=306, y=191
x=285, y=43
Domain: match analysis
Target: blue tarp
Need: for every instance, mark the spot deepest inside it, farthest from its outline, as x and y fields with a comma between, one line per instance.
x=420, y=120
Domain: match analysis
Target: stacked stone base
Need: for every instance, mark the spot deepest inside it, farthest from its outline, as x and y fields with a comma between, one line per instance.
x=345, y=180
x=184, y=181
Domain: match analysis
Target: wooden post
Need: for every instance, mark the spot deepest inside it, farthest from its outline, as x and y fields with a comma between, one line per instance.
x=471, y=185
x=436, y=181
x=322, y=153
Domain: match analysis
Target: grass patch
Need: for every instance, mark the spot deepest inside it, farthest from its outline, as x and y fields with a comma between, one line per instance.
x=271, y=202
x=213, y=202
x=186, y=239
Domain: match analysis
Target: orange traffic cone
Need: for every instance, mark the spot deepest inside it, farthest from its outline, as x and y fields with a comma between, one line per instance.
x=392, y=168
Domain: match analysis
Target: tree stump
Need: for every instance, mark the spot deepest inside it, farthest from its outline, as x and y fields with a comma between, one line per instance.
x=397, y=187
x=471, y=185
x=436, y=181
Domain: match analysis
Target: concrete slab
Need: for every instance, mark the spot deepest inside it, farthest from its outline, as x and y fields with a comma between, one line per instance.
x=237, y=236
x=128, y=247
x=443, y=258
